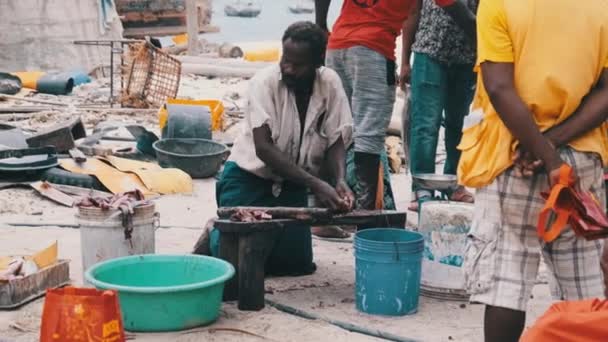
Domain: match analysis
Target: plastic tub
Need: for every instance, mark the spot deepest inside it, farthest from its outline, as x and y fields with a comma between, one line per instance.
x=164, y=292
x=200, y=158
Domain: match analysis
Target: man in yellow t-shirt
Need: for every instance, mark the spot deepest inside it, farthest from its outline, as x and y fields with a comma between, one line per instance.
x=543, y=92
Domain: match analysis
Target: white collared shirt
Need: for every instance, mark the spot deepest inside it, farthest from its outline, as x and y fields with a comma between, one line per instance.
x=271, y=102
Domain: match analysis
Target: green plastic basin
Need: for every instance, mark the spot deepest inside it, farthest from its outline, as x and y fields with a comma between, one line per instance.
x=164, y=292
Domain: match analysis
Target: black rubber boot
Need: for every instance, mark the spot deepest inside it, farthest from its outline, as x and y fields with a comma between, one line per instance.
x=367, y=171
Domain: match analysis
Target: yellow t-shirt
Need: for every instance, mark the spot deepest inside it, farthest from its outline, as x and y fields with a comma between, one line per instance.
x=559, y=49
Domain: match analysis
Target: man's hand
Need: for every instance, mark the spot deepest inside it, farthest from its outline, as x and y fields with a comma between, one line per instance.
x=405, y=74
x=329, y=197
x=524, y=163
x=463, y=17
x=346, y=194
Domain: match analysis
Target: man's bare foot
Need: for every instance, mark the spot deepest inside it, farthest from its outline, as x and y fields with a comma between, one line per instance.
x=332, y=232
x=462, y=195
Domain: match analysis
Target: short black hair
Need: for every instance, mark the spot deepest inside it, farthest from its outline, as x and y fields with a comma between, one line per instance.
x=308, y=32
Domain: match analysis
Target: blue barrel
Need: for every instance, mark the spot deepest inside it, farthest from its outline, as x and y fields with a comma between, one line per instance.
x=388, y=264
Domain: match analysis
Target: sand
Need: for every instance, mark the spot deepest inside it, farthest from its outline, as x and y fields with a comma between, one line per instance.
x=329, y=292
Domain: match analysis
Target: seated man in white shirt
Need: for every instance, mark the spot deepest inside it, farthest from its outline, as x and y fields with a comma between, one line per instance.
x=298, y=121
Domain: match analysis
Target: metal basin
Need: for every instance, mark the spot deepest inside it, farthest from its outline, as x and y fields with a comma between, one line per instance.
x=431, y=181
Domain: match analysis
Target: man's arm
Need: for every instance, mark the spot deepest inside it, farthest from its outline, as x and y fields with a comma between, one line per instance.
x=462, y=15
x=591, y=113
x=321, y=9
x=408, y=35
x=498, y=82
x=336, y=160
x=271, y=156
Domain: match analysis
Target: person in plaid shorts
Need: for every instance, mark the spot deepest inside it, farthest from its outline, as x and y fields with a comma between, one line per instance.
x=543, y=94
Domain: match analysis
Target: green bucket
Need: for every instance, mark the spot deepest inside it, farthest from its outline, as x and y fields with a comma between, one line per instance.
x=164, y=292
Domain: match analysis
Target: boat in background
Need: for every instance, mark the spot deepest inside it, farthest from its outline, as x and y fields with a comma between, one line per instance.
x=244, y=9
x=302, y=7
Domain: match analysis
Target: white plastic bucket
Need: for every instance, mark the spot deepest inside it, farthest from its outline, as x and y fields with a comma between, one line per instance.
x=102, y=237
x=445, y=226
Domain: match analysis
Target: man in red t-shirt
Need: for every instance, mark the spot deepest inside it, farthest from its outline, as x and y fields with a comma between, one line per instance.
x=361, y=49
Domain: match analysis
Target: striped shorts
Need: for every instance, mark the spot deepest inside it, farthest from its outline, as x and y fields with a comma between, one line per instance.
x=503, y=250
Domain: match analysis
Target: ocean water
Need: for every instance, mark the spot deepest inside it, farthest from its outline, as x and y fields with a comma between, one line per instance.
x=269, y=25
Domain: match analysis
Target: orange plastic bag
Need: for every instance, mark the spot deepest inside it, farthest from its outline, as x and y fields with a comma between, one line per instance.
x=566, y=205
x=81, y=315
x=578, y=321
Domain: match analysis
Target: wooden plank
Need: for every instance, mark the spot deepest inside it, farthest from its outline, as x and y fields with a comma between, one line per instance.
x=80, y=192
x=47, y=190
x=192, y=27
x=19, y=292
x=318, y=216
x=24, y=109
x=77, y=155
x=19, y=98
x=227, y=226
x=142, y=32
x=392, y=220
x=278, y=212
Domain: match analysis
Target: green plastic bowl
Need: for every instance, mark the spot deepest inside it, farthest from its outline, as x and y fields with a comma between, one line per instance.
x=164, y=292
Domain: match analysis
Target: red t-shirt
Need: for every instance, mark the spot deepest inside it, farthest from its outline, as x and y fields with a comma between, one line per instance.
x=375, y=24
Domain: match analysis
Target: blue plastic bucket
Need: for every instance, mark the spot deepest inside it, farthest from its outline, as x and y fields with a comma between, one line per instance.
x=387, y=265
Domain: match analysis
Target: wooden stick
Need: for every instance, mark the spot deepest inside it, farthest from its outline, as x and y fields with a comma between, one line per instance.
x=278, y=212
x=385, y=219
x=82, y=106
x=225, y=62
x=24, y=109
x=52, y=103
x=217, y=71
x=192, y=27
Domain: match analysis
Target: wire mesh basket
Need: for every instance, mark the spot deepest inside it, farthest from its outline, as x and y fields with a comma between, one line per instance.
x=151, y=76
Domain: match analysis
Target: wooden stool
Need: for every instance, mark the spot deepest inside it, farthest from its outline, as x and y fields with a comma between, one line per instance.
x=247, y=245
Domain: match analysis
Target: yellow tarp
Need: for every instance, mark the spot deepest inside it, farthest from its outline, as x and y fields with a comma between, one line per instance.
x=111, y=178
x=43, y=258
x=154, y=177
x=215, y=106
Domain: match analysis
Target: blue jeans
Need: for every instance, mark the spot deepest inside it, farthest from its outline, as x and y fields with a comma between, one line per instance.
x=439, y=93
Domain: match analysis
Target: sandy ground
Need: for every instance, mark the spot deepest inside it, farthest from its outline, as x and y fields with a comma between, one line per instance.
x=329, y=292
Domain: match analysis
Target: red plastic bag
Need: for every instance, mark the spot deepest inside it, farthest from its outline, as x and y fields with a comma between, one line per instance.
x=81, y=315
x=578, y=321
